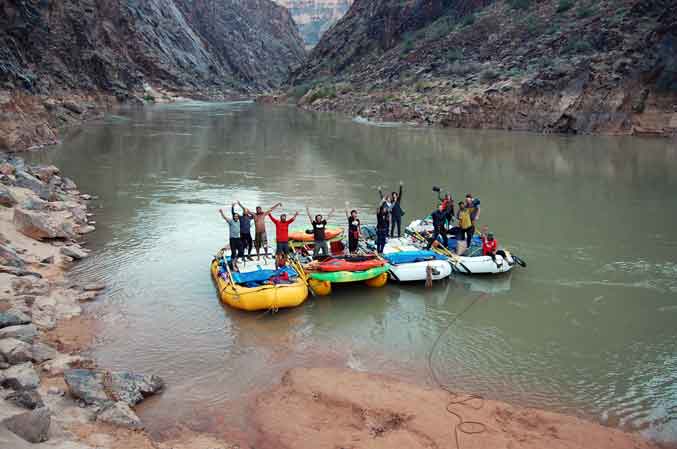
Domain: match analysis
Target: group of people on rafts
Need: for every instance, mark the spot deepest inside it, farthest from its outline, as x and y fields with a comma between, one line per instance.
x=389, y=215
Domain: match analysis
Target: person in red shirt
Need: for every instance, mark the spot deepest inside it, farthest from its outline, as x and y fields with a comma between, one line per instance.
x=282, y=232
x=490, y=247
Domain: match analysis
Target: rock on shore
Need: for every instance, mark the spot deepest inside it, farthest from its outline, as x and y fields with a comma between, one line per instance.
x=41, y=215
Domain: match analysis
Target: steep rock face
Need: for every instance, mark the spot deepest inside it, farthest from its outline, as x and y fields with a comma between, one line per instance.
x=254, y=40
x=314, y=17
x=48, y=45
x=370, y=28
x=575, y=66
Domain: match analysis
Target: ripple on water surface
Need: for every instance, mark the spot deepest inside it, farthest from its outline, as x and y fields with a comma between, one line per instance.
x=588, y=328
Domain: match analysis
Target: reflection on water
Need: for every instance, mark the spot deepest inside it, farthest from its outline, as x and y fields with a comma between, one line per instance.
x=588, y=328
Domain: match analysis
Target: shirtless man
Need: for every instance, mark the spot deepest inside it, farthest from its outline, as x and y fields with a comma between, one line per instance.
x=260, y=236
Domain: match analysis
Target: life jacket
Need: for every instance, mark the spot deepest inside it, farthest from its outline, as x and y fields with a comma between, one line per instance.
x=489, y=246
x=464, y=219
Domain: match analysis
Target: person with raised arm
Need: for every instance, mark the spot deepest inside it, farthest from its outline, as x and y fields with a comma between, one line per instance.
x=260, y=236
x=246, y=230
x=439, y=217
x=382, y=225
x=234, y=237
x=353, y=230
x=319, y=227
x=282, y=232
x=396, y=212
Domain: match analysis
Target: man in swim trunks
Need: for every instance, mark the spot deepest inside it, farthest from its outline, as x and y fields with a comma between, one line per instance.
x=260, y=236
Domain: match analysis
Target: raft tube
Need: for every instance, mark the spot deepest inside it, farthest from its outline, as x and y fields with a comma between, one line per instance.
x=302, y=236
x=265, y=297
x=320, y=282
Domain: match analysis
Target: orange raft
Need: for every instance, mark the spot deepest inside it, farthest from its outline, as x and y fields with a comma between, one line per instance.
x=303, y=236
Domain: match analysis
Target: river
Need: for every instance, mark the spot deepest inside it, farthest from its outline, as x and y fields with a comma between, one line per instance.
x=588, y=328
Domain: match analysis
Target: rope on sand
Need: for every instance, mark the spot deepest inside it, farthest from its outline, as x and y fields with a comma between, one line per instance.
x=473, y=401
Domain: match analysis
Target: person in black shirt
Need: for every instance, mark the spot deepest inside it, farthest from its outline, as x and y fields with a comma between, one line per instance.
x=319, y=226
x=439, y=217
x=353, y=230
x=382, y=224
x=396, y=213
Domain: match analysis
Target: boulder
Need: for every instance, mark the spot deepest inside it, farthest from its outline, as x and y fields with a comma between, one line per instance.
x=94, y=287
x=79, y=214
x=46, y=173
x=29, y=399
x=120, y=414
x=64, y=362
x=42, y=225
x=7, y=198
x=7, y=169
x=133, y=388
x=43, y=352
x=15, y=351
x=32, y=426
x=73, y=107
x=87, y=296
x=30, y=286
x=25, y=332
x=28, y=181
x=10, y=440
x=13, y=317
x=20, y=377
x=130, y=388
x=86, y=385
x=68, y=184
x=9, y=256
x=86, y=229
x=73, y=251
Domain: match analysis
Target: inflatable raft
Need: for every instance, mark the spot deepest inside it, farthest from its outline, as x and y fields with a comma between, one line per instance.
x=484, y=264
x=373, y=272
x=259, y=286
x=297, y=235
x=409, y=263
x=472, y=261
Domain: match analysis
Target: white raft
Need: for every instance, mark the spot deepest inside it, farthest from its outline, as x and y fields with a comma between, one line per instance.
x=414, y=271
x=471, y=264
x=482, y=264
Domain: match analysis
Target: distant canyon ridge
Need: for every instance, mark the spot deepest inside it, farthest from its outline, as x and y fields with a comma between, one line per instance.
x=314, y=17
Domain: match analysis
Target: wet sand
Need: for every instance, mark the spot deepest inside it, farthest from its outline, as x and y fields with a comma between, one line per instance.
x=336, y=408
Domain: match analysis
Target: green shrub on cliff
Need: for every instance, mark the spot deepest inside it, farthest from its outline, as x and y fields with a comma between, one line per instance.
x=519, y=4
x=667, y=80
x=468, y=20
x=488, y=75
x=565, y=5
x=299, y=91
x=585, y=11
x=325, y=91
x=578, y=46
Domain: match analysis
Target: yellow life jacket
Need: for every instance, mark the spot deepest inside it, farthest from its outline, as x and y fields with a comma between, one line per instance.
x=464, y=219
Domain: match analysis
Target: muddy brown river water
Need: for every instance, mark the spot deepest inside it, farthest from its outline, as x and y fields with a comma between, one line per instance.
x=589, y=328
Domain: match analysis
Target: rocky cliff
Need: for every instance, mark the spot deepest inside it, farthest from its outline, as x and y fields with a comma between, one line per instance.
x=60, y=61
x=314, y=17
x=575, y=66
x=119, y=45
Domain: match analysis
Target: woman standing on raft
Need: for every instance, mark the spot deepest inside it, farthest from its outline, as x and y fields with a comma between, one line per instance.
x=382, y=224
x=396, y=213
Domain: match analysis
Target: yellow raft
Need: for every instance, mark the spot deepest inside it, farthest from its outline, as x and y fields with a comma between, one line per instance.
x=265, y=297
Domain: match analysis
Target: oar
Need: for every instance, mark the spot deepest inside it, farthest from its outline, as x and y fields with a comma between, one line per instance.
x=230, y=276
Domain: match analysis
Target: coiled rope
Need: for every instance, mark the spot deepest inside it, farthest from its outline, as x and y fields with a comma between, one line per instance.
x=473, y=401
